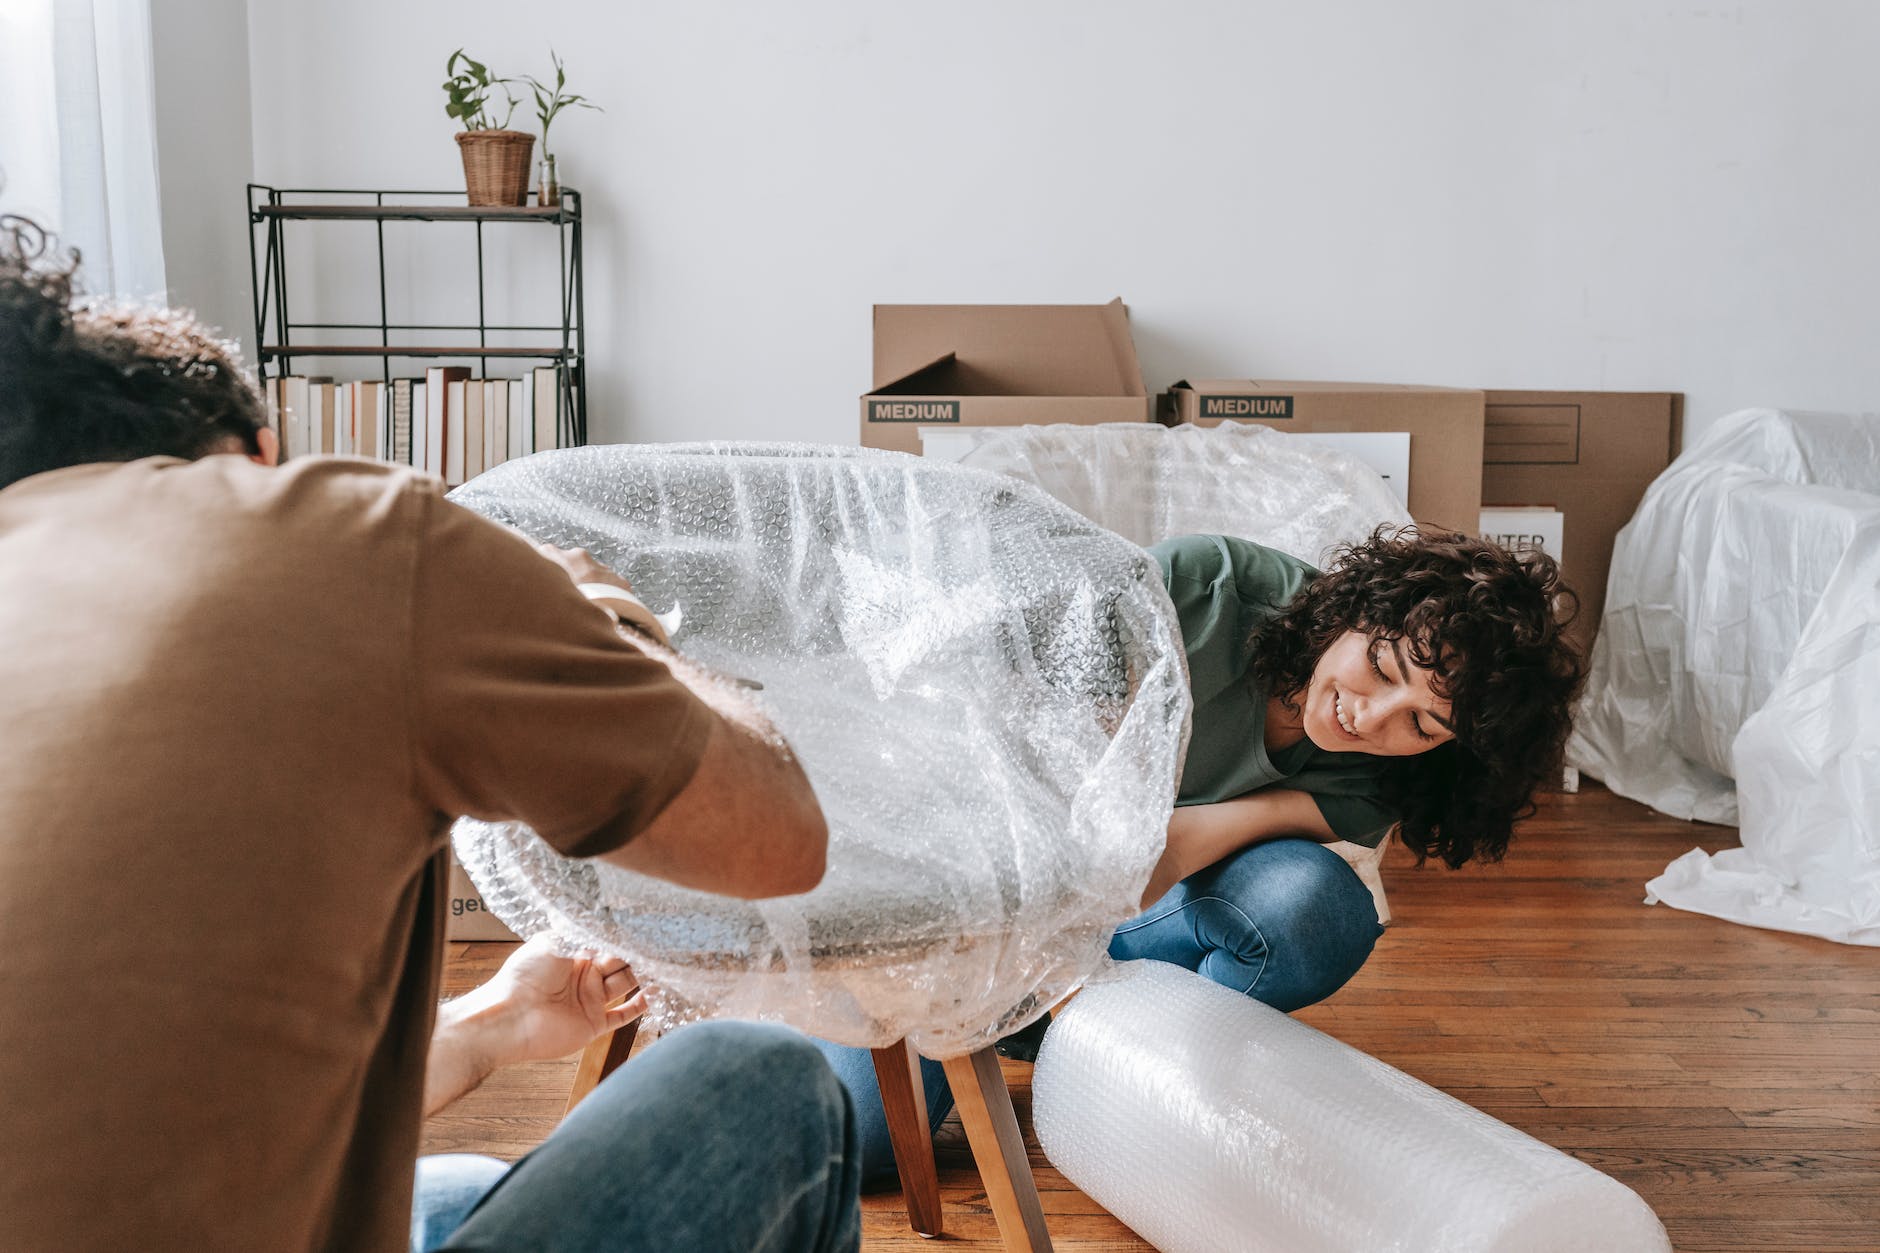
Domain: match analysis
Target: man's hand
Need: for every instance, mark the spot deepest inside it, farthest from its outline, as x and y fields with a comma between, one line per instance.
x=538, y=1007
x=581, y=567
x=612, y=592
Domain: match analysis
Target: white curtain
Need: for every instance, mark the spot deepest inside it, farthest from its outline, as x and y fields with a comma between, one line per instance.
x=78, y=146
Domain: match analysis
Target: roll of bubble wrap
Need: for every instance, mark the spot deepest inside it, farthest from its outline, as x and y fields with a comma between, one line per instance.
x=1208, y=1121
x=986, y=691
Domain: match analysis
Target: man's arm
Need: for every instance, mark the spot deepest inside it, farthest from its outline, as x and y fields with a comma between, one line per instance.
x=538, y=1007
x=1200, y=835
x=748, y=823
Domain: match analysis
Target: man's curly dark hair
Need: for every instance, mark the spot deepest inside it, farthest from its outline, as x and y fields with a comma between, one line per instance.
x=1490, y=626
x=83, y=382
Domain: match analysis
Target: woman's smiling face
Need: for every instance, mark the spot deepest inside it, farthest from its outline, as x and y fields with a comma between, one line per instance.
x=1368, y=696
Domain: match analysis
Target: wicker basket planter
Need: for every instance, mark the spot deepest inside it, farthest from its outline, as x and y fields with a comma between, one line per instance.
x=496, y=165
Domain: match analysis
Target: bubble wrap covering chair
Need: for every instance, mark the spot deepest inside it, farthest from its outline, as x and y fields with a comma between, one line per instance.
x=986, y=691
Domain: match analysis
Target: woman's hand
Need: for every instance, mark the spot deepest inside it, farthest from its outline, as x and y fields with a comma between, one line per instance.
x=1200, y=835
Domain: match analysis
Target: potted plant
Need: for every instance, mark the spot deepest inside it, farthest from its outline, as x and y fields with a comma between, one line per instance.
x=548, y=102
x=495, y=158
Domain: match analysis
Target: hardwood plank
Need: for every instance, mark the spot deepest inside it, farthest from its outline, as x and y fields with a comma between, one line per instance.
x=1725, y=1073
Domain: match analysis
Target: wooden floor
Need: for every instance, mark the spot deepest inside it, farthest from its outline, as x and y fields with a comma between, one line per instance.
x=1731, y=1076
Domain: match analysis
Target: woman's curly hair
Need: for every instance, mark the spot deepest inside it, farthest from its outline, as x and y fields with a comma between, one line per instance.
x=95, y=381
x=1490, y=626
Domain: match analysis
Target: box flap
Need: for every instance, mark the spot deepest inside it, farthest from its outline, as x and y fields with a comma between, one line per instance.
x=1220, y=387
x=929, y=378
x=1007, y=350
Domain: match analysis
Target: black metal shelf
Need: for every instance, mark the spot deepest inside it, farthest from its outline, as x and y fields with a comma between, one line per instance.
x=271, y=351
x=413, y=213
x=270, y=209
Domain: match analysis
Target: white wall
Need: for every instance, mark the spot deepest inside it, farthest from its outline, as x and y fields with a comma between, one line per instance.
x=1604, y=194
x=205, y=150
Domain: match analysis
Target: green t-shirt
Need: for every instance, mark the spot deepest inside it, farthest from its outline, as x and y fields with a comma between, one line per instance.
x=1223, y=588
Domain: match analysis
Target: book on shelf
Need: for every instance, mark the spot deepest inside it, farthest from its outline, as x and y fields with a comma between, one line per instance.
x=420, y=406
x=521, y=414
x=271, y=409
x=320, y=415
x=401, y=420
x=470, y=432
x=438, y=448
x=495, y=422
x=294, y=409
x=547, y=412
x=366, y=401
x=453, y=431
x=345, y=442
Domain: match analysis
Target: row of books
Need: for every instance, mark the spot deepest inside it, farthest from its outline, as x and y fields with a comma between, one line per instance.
x=445, y=423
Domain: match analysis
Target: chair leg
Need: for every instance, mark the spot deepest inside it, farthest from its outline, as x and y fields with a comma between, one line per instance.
x=897, y=1068
x=601, y=1058
x=999, y=1150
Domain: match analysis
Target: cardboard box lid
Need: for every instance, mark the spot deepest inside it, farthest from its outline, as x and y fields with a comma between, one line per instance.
x=1303, y=387
x=1005, y=350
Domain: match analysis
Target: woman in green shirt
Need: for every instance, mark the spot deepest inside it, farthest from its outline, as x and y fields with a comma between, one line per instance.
x=1420, y=682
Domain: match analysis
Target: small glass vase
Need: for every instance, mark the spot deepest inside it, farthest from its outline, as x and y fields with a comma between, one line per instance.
x=548, y=195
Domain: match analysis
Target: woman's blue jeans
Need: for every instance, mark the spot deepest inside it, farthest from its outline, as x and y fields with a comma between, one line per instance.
x=726, y=1135
x=1286, y=922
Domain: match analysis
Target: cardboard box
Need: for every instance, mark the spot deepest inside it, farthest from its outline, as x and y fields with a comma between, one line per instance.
x=470, y=918
x=1444, y=425
x=999, y=365
x=1525, y=528
x=1590, y=455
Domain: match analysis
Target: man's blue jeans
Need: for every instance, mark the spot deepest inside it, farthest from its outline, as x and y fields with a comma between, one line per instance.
x=723, y=1136
x=1286, y=922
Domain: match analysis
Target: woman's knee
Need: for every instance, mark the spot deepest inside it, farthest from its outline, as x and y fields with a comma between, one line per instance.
x=1311, y=915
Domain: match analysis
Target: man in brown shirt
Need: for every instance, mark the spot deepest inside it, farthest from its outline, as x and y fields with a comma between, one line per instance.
x=239, y=706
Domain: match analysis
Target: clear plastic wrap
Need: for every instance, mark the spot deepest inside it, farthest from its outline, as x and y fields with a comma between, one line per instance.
x=1733, y=675
x=1150, y=483
x=1208, y=1121
x=986, y=691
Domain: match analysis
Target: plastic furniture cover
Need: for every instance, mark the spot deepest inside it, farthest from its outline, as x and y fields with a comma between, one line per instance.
x=986, y=691
x=1211, y=1123
x=1150, y=483
x=1734, y=674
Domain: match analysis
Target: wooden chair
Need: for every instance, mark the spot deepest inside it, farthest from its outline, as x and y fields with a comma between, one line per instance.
x=985, y=1108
